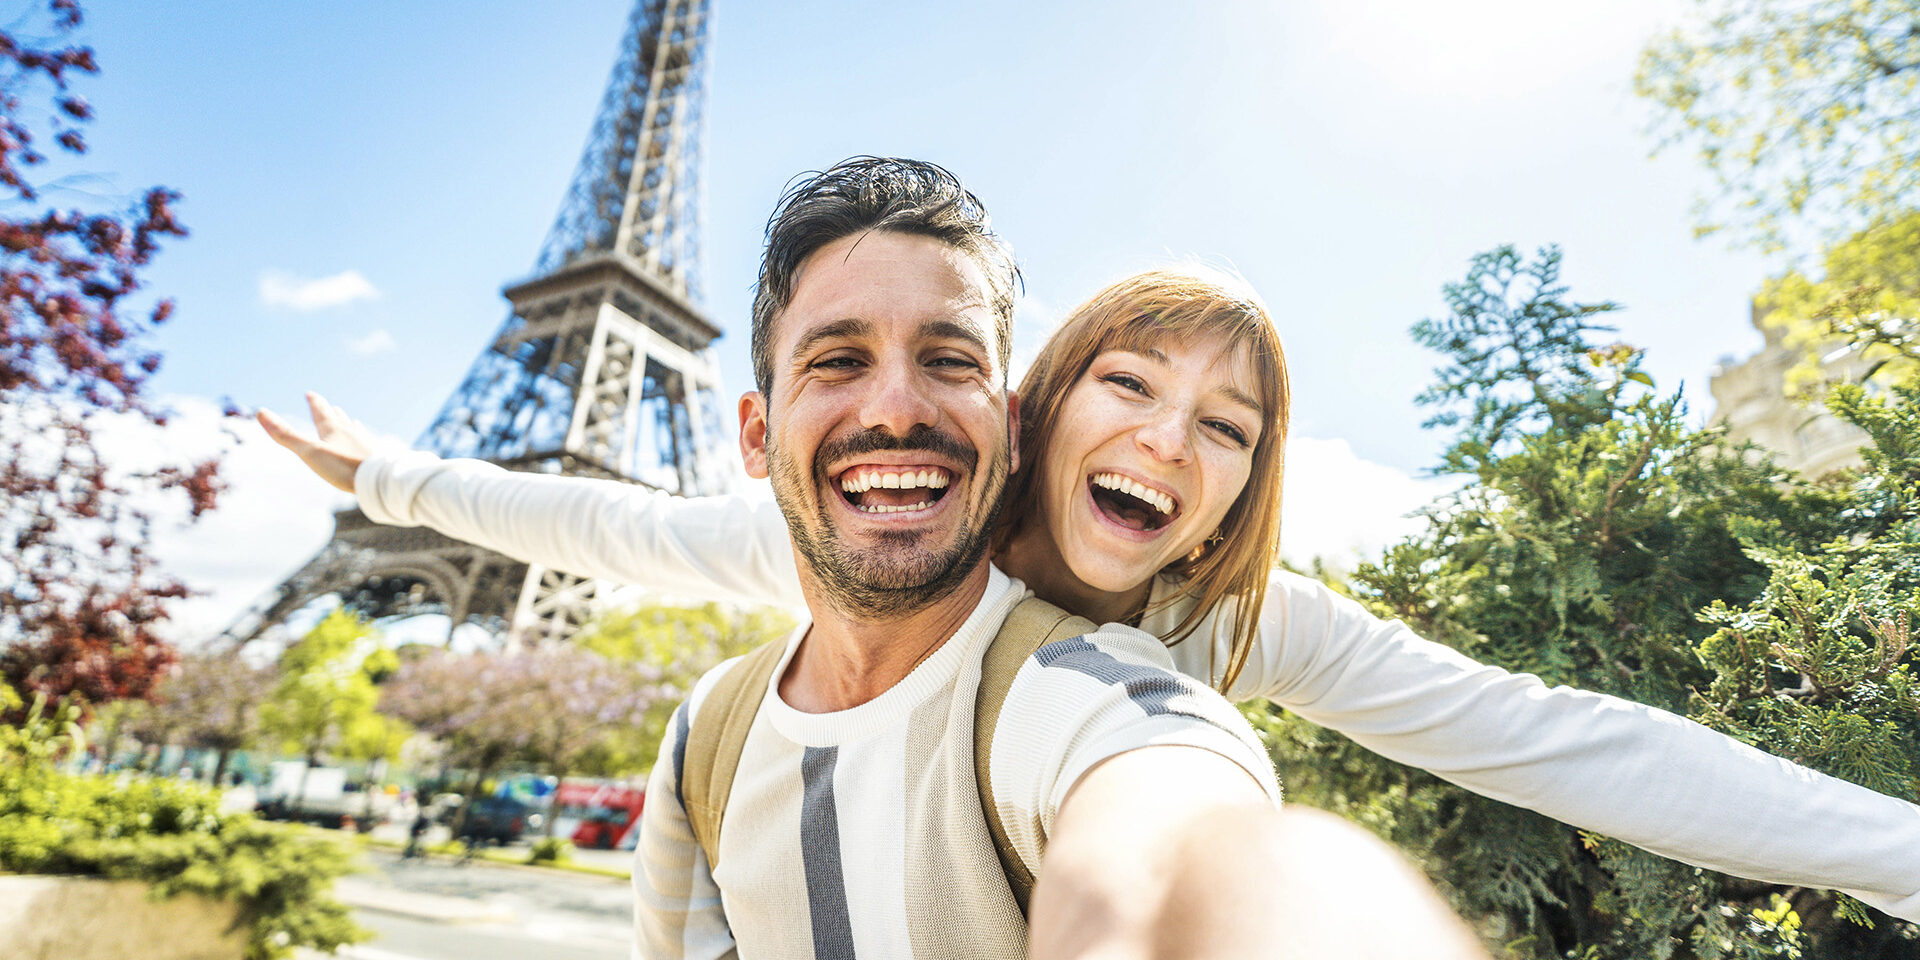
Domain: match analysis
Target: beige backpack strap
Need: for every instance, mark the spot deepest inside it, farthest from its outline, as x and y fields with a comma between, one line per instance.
x=716, y=737
x=1032, y=625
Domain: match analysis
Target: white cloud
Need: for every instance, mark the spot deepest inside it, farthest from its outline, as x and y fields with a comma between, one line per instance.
x=379, y=341
x=1343, y=509
x=281, y=289
x=274, y=515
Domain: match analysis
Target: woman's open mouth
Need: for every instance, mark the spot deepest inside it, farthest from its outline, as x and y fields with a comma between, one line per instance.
x=1132, y=504
x=885, y=489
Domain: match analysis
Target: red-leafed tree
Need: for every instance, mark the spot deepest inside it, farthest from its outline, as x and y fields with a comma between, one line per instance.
x=79, y=593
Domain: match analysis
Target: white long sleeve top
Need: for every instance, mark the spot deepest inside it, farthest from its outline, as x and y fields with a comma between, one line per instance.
x=1623, y=769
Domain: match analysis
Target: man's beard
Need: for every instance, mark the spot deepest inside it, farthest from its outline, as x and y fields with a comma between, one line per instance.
x=897, y=578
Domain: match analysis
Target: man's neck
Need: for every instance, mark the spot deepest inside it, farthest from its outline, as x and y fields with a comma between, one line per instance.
x=846, y=659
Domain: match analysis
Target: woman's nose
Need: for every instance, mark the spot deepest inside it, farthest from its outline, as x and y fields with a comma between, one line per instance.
x=1167, y=437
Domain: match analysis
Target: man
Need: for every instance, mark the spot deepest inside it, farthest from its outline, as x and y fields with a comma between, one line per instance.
x=854, y=824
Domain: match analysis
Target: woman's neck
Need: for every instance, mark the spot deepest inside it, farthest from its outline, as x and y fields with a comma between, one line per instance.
x=1033, y=557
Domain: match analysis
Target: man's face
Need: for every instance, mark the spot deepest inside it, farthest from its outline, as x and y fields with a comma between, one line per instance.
x=888, y=436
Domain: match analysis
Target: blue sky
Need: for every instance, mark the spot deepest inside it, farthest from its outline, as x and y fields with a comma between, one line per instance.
x=1348, y=156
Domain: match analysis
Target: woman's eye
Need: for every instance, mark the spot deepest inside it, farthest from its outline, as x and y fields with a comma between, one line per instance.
x=1126, y=382
x=1229, y=431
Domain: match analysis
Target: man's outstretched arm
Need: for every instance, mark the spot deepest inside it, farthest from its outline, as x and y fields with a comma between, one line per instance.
x=1175, y=851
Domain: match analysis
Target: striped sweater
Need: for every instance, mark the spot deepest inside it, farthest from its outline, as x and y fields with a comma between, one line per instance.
x=859, y=833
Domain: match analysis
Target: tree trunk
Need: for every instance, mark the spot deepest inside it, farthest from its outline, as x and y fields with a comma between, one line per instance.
x=220, y=765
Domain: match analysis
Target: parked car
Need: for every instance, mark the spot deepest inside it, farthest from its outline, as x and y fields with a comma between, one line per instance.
x=321, y=795
x=499, y=820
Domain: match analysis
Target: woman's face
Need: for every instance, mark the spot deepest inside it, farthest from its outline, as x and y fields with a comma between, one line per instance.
x=1149, y=451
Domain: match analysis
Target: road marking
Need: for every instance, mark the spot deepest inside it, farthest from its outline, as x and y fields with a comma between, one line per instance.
x=373, y=953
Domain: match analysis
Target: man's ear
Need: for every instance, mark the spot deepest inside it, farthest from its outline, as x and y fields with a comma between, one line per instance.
x=1013, y=429
x=753, y=434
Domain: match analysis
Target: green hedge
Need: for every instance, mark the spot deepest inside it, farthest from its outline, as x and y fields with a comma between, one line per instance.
x=169, y=834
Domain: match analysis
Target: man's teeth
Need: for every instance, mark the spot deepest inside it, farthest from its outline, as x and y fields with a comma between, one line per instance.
x=864, y=480
x=1114, y=481
x=883, y=508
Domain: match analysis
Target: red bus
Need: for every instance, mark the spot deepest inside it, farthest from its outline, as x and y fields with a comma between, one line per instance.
x=598, y=814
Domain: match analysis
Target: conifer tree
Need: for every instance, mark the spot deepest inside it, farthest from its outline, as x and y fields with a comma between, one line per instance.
x=1595, y=527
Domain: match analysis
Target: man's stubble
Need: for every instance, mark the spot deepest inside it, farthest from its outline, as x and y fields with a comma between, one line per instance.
x=900, y=579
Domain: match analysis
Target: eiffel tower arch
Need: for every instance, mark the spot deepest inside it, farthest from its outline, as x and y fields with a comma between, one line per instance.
x=602, y=368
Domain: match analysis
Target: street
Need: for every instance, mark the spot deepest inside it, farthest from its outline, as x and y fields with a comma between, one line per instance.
x=442, y=910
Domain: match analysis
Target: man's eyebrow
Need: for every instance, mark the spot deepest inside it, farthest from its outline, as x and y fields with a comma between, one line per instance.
x=957, y=330
x=838, y=329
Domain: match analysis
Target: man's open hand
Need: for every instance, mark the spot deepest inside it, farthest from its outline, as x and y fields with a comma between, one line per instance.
x=343, y=443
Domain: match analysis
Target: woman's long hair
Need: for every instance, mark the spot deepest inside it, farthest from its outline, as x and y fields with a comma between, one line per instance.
x=1141, y=311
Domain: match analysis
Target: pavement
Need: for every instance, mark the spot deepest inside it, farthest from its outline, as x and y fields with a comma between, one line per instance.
x=427, y=909
x=382, y=897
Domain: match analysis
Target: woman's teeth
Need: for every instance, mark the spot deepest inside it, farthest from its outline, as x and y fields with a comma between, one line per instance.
x=1154, y=498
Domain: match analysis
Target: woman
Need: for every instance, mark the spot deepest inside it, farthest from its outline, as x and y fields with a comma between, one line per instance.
x=1153, y=424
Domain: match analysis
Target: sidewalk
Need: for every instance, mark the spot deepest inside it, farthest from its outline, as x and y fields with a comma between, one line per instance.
x=363, y=894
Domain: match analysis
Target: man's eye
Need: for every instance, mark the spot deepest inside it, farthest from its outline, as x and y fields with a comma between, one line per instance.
x=836, y=363
x=954, y=363
x=1126, y=382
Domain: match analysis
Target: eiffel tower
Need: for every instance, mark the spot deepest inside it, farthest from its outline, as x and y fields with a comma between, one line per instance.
x=602, y=368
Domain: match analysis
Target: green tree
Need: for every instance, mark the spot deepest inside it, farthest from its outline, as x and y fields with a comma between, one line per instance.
x=1820, y=667
x=1595, y=527
x=1803, y=111
x=681, y=643
x=324, y=701
x=1864, y=304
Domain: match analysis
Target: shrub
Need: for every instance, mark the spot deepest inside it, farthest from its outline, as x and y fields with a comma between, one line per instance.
x=168, y=834
x=551, y=850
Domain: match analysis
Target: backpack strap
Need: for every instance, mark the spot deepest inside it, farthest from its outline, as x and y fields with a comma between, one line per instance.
x=1033, y=624
x=718, y=732
x=715, y=739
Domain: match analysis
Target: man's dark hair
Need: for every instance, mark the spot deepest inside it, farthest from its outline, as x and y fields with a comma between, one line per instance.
x=861, y=194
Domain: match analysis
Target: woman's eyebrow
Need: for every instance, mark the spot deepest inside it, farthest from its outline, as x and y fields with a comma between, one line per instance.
x=1236, y=395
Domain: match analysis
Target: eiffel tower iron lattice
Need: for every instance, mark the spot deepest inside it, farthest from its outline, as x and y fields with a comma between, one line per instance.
x=602, y=367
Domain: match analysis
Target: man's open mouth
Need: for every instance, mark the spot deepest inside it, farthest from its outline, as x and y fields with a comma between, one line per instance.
x=1132, y=504
x=882, y=489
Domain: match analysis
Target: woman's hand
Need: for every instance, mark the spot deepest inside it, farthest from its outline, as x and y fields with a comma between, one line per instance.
x=343, y=442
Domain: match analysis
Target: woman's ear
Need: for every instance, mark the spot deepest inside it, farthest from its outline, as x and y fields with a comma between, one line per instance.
x=753, y=434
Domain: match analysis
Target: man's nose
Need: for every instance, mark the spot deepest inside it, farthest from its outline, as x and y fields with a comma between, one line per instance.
x=898, y=400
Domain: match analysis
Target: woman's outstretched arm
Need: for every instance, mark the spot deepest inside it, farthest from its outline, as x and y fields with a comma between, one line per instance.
x=1624, y=769
x=721, y=548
